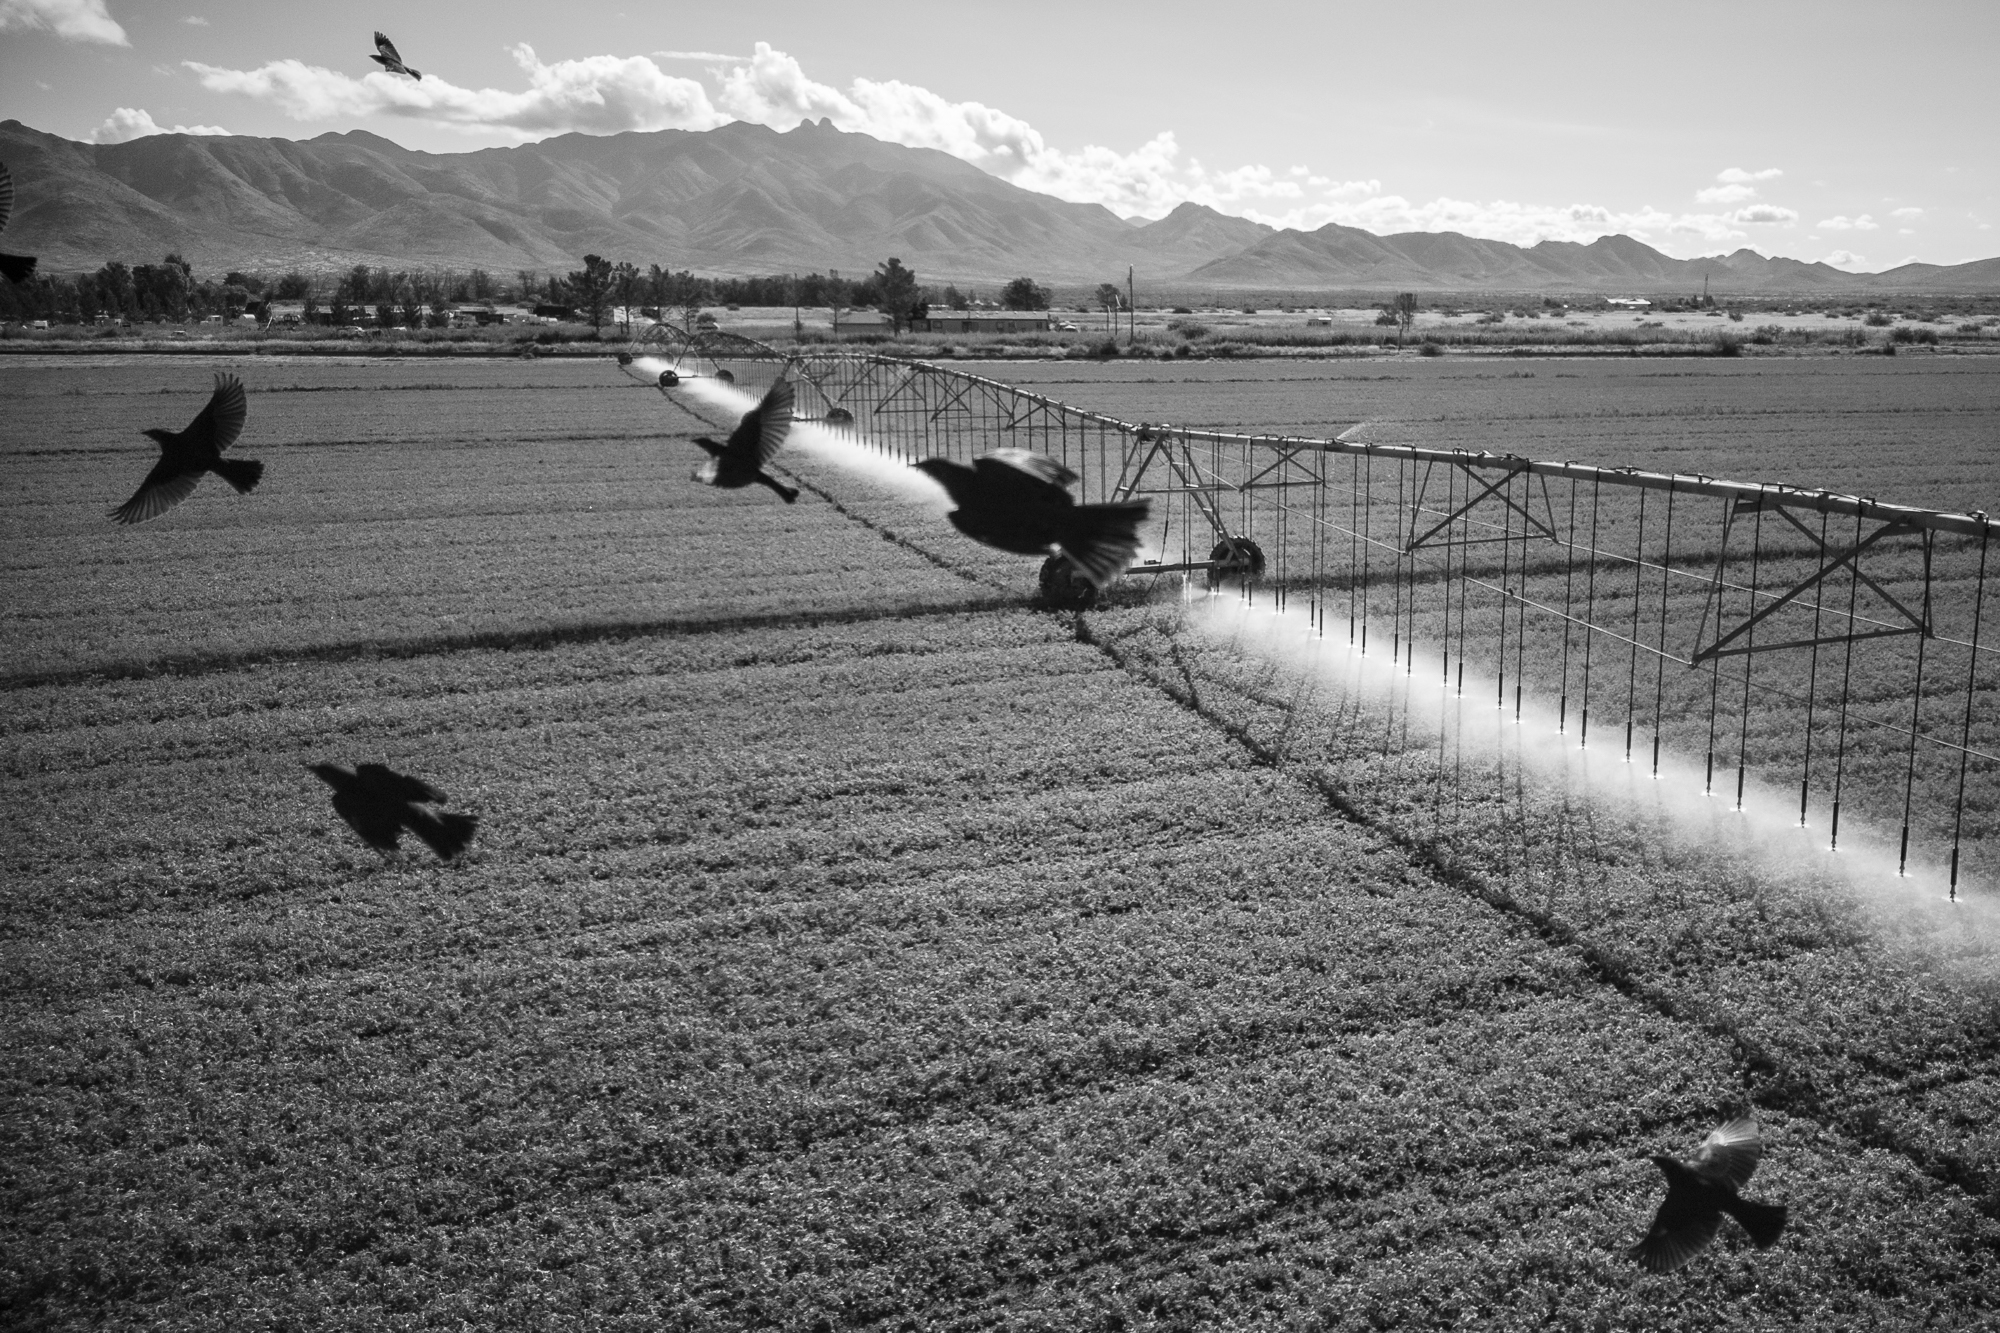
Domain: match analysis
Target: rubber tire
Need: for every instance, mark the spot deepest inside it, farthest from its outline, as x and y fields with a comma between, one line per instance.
x=727, y=377
x=839, y=416
x=668, y=379
x=1063, y=588
x=1235, y=557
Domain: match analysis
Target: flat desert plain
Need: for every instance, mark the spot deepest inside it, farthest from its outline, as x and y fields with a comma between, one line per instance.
x=850, y=943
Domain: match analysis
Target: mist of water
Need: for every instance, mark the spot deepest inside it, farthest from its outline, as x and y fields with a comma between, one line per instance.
x=1474, y=722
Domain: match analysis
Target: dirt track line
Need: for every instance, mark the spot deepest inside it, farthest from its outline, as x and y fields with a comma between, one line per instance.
x=530, y=639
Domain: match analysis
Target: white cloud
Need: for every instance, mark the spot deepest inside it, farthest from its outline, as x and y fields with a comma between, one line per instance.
x=128, y=123
x=1725, y=194
x=1766, y=215
x=1845, y=259
x=594, y=95
x=1841, y=222
x=1906, y=212
x=1738, y=176
x=74, y=20
x=710, y=56
x=195, y=21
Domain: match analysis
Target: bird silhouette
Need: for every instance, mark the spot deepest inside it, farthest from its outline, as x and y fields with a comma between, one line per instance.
x=17, y=268
x=1019, y=501
x=198, y=449
x=1700, y=1191
x=379, y=803
x=755, y=442
x=385, y=56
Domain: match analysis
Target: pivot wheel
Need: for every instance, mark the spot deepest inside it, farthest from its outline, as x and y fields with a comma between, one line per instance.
x=1064, y=588
x=727, y=377
x=839, y=416
x=1236, y=558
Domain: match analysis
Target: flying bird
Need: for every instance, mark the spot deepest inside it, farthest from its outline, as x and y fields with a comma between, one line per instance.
x=755, y=442
x=1700, y=1191
x=18, y=268
x=198, y=449
x=1019, y=501
x=385, y=56
x=379, y=803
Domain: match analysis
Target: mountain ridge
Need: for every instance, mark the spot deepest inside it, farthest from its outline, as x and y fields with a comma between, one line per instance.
x=744, y=198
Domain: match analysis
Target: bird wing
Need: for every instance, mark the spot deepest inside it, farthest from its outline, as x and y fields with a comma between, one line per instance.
x=1039, y=466
x=386, y=782
x=164, y=487
x=6, y=195
x=222, y=420
x=387, y=47
x=1729, y=1153
x=1683, y=1227
x=758, y=437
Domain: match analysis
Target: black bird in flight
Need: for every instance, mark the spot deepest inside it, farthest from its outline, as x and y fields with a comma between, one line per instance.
x=198, y=449
x=755, y=442
x=385, y=56
x=1700, y=1191
x=18, y=268
x=379, y=803
x=1019, y=501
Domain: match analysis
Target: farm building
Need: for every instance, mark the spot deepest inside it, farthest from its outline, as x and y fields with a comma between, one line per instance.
x=983, y=321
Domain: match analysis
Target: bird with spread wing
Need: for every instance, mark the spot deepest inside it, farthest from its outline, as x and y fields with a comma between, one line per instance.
x=1700, y=1191
x=379, y=804
x=385, y=55
x=1019, y=501
x=185, y=455
x=755, y=442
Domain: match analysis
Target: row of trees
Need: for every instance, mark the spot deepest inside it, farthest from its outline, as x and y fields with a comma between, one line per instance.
x=168, y=291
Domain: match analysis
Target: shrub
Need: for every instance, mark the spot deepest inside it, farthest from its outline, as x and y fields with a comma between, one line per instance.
x=1736, y=316
x=1183, y=310
x=1188, y=328
x=1875, y=319
x=1249, y=309
x=1387, y=318
x=1429, y=347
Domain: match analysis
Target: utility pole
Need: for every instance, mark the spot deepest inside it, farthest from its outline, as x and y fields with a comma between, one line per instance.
x=1131, y=312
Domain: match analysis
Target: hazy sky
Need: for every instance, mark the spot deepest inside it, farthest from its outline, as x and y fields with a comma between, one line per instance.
x=1857, y=133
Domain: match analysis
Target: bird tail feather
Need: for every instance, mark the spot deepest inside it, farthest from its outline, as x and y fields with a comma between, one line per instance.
x=18, y=268
x=1762, y=1220
x=447, y=835
x=242, y=473
x=1102, y=540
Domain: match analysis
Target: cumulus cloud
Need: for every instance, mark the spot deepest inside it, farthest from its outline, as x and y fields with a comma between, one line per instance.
x=1841, y=222
x=73, y=20
x=1766, y=215
x=1845, y=259
x=128, y=123
x=1906, y=213
x=594, y=95
x=1738, y=176
x=195, y=21
x=710, y=56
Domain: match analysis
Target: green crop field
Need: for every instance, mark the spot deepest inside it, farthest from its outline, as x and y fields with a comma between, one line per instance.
x=850, y=943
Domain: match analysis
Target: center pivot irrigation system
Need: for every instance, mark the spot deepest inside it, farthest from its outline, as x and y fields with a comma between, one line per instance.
x=1826, y=644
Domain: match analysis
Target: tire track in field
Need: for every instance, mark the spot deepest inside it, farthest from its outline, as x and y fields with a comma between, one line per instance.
x=530, y=638
x=1768, y=1079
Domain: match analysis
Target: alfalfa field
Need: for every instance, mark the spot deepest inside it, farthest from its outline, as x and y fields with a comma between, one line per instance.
x=850, y=943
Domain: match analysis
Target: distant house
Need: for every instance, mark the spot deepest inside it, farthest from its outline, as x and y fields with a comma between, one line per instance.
x=547, y=310
x=857, y=323
x=466, y=316
x=984, y=321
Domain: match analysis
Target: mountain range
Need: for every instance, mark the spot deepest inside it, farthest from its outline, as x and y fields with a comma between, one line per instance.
x=747, y=199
